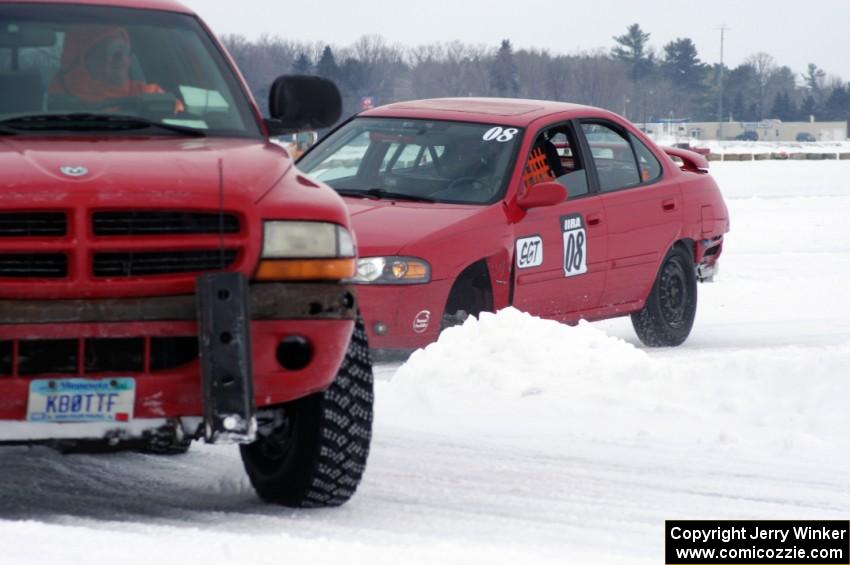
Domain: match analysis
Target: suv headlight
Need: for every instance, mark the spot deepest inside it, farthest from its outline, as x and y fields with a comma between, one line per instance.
x=296, y=250
x=313, y=240
x=392, y=270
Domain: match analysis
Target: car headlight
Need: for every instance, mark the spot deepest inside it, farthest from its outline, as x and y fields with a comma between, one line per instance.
x=296, y=250
x=392, y=270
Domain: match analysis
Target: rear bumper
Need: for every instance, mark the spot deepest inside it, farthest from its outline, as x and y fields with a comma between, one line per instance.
x=323, y=314
x=707, y=258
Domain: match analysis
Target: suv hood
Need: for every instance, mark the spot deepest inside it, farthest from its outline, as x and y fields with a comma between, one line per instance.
x=148, y=170
x=387, y=227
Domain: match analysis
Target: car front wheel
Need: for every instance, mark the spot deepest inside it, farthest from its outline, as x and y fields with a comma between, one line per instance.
x=312, y=452
x=668, y=315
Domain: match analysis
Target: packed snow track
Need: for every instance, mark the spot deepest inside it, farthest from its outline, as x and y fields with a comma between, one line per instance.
x=517, y=440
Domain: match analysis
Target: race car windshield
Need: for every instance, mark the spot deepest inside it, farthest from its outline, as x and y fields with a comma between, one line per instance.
x=424, y=160
x=150, y=67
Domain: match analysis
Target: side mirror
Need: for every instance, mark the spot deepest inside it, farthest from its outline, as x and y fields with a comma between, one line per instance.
x=542, y=194
x=299, y=102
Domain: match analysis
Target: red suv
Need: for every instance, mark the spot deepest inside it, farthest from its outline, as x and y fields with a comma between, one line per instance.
x=565, y=211
x=165, y=272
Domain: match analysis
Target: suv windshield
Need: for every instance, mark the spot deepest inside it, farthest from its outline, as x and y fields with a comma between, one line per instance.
x=141, y=68
x=424, y=160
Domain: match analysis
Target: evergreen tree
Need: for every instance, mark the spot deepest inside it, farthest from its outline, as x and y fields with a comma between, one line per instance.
x=302, y=64
x=503, y=72
x=682, y=66
x=327, y=67
x=741, y=86
x=739, y=108
x=837, y=106
x=632, y=50
x=808, y=108
x=352, y=77
x=814, y=78
x=783, y=108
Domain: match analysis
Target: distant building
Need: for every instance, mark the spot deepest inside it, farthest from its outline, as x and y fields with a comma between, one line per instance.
x=766, y=130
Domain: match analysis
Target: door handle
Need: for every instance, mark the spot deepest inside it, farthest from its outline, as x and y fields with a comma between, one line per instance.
x=594, y=220
x=669, y=204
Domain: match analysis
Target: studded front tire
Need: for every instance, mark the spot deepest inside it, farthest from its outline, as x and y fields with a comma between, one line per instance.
x=668, y=315
x=312, y=452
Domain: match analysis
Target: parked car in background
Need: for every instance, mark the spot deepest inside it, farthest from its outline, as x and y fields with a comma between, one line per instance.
x=747, y=136
x=462, y=206
x=805, y=136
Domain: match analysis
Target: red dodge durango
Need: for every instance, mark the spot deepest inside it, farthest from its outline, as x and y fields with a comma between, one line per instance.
x=166, y=273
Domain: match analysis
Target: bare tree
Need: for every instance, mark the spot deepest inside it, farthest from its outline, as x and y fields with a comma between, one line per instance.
x=764, y=66
x=390, y=72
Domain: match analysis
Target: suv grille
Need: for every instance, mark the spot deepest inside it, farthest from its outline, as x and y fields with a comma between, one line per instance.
x=34, y=265
x=133, y=264
x=57, y=357
x=75, y=249
x=33, y=224
x=162, y=223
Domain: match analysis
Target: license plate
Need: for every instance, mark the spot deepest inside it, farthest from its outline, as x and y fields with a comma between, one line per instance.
x=81, y=400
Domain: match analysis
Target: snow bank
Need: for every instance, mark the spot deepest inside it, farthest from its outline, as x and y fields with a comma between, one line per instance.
x=513, y=375
x=513, y=355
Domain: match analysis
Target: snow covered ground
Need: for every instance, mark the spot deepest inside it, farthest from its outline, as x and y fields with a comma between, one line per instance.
x=519, y=440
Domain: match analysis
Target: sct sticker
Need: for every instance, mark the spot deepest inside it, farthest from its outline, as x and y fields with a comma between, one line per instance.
x=575, y=245
x=529, y=252
x=81, y=400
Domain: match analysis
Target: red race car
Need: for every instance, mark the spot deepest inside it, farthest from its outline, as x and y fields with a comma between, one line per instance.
x=468, y=205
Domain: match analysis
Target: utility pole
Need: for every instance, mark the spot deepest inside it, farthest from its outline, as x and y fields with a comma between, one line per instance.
x=723, y=29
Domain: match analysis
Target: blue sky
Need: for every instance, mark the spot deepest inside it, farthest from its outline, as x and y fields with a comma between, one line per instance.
x=794, y=32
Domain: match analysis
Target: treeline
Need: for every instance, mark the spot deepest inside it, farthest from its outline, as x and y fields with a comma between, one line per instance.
x=631, y=78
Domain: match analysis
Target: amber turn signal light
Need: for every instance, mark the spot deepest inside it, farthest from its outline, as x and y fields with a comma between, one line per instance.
x=305, y=269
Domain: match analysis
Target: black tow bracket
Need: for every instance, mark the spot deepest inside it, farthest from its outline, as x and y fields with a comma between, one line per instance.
x=224, y=335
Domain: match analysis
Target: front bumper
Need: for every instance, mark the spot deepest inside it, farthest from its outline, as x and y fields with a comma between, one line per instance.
x=410, y=314
x=323, y=314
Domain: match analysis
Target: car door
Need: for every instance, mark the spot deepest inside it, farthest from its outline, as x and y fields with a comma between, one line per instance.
x=643, y=208
x=560, y=250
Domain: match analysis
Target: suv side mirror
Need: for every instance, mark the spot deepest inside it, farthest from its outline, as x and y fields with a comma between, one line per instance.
x=299, y=102
x=542, y=194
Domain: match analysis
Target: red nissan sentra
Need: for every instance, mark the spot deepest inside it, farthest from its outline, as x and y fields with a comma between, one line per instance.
x=468, y=205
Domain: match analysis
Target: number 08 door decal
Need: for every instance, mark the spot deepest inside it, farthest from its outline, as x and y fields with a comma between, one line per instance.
x=575, y=245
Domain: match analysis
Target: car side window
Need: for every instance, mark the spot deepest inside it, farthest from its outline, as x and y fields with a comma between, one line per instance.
x=554, y=157
x=650, y=168
x=613, y=157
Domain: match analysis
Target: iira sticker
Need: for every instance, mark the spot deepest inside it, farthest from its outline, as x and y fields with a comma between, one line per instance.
x=421, y=321
x=575, y=245
x=529, y=252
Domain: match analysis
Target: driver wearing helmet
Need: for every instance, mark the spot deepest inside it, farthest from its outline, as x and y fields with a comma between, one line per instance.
x=95, y=66
x=463, y=159
x=466, y=165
